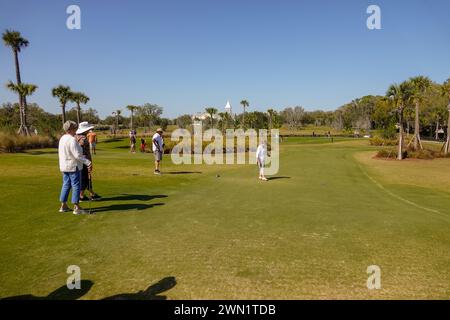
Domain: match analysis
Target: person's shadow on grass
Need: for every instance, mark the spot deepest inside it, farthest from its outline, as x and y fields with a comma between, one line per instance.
x=151, y=293
x=126, y=207
x=183, y=172
x=62, y=293
x=276, y=178
x=127, y=197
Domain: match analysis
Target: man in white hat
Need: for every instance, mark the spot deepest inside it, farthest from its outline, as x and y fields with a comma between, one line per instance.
x=71, y=161
x=158, y=149
x=86, y=182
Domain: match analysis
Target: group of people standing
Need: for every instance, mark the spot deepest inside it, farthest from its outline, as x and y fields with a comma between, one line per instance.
x=75, y=163
x=157, y=146
x=75, y=151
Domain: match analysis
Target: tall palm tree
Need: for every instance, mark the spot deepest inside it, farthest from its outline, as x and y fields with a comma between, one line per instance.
x=400, y=96
x=446, y=92
x=244, y=104
x=79, y=98
x=132, y=109
x=420, y=84
x=271, y=115
x=228, y=121
x=118, y=113
x=15, y=40
x=435, y=114
x=211, y=111
x=64, y=95
x=23, y=90
x=409, y=116
x=223, y=120
x=114, y=125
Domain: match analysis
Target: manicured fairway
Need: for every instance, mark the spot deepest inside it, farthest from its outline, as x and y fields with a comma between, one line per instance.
x=310, y=232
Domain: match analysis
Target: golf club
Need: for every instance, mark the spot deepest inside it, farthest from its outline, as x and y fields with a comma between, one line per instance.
x=90, y=191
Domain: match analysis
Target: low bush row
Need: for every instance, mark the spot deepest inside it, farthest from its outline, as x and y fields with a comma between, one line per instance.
x=17, y=143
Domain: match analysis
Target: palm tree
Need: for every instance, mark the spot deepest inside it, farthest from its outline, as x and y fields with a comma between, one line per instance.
x=435, y=114
x=222, y=116
x=226, y=119
x=446, y=92
x=64, y=95
x=244, y=104
x=251, y=118
x=23, y=90
x=211, y=111
x=271, y=115
x=419, y=85
x=132, y=109
x=118, y=113
x=79, y=98
x=400, y=96
x=15, y=40
x=409, y=115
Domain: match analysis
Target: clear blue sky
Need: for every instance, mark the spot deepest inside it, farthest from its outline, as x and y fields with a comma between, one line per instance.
x=188, y=54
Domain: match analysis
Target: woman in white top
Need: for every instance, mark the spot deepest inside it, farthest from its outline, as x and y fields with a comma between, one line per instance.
x=71, y=160
x=261, y=154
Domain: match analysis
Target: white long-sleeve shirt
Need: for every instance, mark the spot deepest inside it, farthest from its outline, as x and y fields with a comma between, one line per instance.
x=70, y=154
x=261, y=153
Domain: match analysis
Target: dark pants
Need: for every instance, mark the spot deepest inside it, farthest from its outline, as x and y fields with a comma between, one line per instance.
x=85, y=179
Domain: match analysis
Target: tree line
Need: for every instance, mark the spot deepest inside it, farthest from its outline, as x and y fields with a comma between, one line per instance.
x=417, y=104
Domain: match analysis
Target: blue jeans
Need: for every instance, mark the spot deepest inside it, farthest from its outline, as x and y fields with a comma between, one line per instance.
x=71, y=180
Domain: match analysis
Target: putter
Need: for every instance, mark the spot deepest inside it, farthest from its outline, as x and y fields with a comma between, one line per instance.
x=90, y=191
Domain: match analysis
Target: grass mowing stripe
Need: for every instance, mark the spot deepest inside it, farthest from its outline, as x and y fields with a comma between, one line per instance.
x=379, y=185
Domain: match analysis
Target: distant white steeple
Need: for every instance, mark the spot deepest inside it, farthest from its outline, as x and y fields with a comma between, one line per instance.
x=228, y=107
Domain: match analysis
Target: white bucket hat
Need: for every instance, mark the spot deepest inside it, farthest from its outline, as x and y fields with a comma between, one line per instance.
x=84, y=126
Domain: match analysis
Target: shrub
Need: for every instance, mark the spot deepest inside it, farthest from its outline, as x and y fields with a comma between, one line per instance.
x=387, y=153
x=379, y=141
x=424, y=154
x=16, y=143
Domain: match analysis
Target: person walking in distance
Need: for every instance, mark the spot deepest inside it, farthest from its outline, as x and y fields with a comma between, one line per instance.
x=132, y=142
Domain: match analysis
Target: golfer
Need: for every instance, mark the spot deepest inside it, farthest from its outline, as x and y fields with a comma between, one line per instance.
x=261, y=154
x=71, y=161
x=158, y=148
x=86, y=183
x=132, y=142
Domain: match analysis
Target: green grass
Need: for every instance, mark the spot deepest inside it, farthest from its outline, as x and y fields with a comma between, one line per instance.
x=316, y=140
x=311, y=233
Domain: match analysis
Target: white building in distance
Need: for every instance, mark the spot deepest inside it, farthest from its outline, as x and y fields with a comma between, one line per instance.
x=204, y=115
x=228, y=108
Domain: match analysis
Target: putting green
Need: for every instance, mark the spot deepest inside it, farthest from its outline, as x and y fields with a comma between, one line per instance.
x=310, y=232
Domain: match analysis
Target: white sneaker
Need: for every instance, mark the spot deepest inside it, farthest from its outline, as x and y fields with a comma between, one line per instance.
x=64, y=210
x=79, y=211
